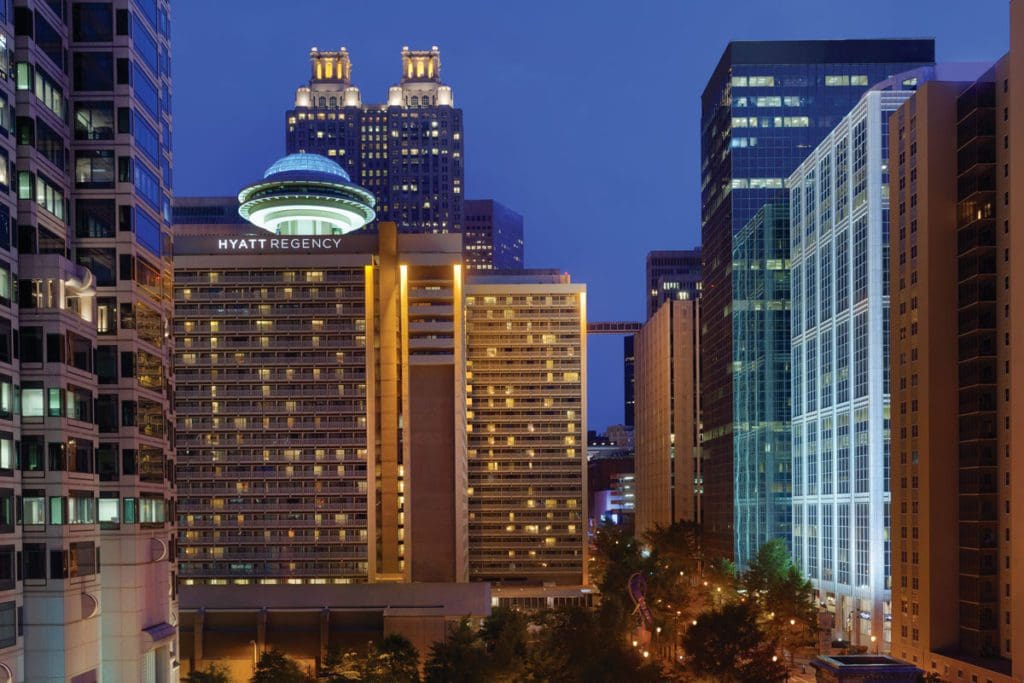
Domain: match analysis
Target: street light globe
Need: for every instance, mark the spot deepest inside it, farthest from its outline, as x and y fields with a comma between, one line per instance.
x=646, y=654
x=635, y=643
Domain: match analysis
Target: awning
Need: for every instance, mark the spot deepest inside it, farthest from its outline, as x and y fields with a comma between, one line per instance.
x=160, y=631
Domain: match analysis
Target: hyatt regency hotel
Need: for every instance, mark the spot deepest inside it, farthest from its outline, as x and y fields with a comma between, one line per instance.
x=353, y=410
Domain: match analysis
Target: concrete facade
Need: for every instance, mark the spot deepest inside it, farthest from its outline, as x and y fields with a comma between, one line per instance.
x=667, y=435
x=955, y=266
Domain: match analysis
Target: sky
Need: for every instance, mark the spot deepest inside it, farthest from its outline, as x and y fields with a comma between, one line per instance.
x=581, y=115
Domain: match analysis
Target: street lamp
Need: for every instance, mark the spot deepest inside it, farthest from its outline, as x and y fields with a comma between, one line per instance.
x=874, y=643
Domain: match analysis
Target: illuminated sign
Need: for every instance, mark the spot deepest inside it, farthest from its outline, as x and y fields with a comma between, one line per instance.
x=279, y=243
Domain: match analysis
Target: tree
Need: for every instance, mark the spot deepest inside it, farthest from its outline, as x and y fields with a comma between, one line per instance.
x=392, y=660
x=339, y=666
x=214, y=673
x=574, y=645
x=785, y=597
x=728, y=645
x=505, y=639
x=460, y=658
x=276, y=667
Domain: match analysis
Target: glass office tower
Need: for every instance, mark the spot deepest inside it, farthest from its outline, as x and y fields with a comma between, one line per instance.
x=761, y=312
x=765, y=107
x=840, y=380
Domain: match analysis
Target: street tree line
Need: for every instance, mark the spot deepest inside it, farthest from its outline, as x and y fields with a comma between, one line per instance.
x=709, y=622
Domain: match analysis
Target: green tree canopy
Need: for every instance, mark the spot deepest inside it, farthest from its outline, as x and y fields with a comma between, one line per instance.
x=574, y=645
x=728, y=645
x=505, y=639
x=275, y=667
x=392, y=660
x=214, y=673
x=461, y=658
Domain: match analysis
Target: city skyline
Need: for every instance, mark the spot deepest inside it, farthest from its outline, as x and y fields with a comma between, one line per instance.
x=527, y=77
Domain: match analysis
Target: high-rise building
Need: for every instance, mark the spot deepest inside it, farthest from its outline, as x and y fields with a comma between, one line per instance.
x=327, y=378
x=839, y=237
x=667, y=436
x=955, y=267
x=526, y=345
x=492, y=237
x=86, y=382
x=765, y=107
x=628, y=381
x=672, y=275
x=319, y=410
x=760, y=332
x=407, y=151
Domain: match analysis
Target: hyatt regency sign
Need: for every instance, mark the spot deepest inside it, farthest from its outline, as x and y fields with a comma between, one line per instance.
x=233, y=244
x=266, y=244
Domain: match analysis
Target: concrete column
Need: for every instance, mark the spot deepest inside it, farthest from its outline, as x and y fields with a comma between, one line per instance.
x=197, y=639
x=325, y=624
x=261, y=631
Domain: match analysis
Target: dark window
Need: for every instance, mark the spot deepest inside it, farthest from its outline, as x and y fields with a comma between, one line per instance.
x=106, y=413
x=58, y=564
x=94, y=71
x=50, y=41
x=83, y=559
x=33, y=450
x=58, y=457
x=101, y=263
x=122, y=22
x=51, y=243
x=145, y=45
x=94, y=120
x=146, y=91
x=81, y=459
x=6, y=511
x=94, y=168
x=92, y=22
x=50, y=145
x=129, y=463
x=34, y=557
x=23, y=21
x=31, y=338
x=106, y=364
x=7, y=568
x=107, y=464
x=127, y=364
x=54, y=348
x=128, y=416
x=8, y=624
x=25, y=132
x=80, y=349
x=95, y=217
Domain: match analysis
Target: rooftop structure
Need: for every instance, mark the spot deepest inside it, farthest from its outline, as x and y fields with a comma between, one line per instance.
x=306, y=194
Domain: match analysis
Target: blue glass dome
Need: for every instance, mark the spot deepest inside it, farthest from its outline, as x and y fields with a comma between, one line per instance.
x=302, y=163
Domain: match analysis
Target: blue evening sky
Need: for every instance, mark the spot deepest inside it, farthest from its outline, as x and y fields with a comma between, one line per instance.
x=583, y=115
